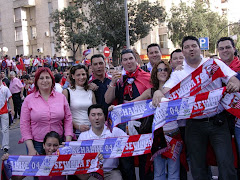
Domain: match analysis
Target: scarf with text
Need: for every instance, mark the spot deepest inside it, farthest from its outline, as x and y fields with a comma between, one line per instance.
x=53, y=165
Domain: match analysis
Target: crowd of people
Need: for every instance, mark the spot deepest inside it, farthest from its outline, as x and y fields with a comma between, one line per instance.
x=32, y=63
x=72, y=104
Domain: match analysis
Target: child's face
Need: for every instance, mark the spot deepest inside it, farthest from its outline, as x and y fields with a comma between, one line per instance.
x=25, y=81
x=51, y=145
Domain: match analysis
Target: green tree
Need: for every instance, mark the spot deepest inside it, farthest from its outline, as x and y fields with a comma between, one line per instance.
x=235, y=30
x=70, y=30
x=197, y=20
x=108, y=17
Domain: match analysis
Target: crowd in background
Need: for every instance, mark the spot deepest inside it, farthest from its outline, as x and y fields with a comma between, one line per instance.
x=50, y=95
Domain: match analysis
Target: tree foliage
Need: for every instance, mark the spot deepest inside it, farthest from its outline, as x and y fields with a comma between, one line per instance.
x=235, y=30
x=70, y=31
x=109, y=19
x=197, y=20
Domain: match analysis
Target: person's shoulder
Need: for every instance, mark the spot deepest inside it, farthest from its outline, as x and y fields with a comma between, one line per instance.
x=58, y=94
x=144, y=67
x=30, y=96
x=220, y=62
x=118, y=132
x=144, y=72
x=84, y=136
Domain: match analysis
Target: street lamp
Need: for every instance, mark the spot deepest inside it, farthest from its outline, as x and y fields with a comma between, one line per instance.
x=3, y=50
x=226, y=27
x=126, y=23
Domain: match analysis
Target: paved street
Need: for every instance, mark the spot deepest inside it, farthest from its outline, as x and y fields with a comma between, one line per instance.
x=20, y=149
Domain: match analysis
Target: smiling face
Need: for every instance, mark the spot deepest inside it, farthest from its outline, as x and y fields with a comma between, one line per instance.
x=51, y=145
x=80, y=77
x=162, y=73
x=191, y=51
x=226, y=51
x=44, y=82
x=177, y=59
x=97, y=118
x=154, y=55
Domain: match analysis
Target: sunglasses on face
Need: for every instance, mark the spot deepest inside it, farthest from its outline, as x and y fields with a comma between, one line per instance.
x=160, y=69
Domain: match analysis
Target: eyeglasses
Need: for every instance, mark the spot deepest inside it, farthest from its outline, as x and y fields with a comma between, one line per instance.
x=160, y=69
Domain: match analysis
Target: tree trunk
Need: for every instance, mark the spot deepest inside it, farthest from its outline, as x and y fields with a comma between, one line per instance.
x=115, y=56
x=74, y=56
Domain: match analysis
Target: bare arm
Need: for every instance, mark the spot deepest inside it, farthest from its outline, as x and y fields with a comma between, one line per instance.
x=65, y=93
x=145, y=95
x=158, y=95
x=110, y=93
x=94, y=98
x=11, y=106
x=31, y=150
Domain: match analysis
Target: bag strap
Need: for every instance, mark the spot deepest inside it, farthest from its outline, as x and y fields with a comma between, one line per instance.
x=68, y=96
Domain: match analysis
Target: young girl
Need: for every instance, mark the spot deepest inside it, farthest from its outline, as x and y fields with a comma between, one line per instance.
x=51, y=144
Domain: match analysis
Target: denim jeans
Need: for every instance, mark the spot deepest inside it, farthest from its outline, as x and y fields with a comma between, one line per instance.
x=173, y=168
x=198, y=134
x=38, y=146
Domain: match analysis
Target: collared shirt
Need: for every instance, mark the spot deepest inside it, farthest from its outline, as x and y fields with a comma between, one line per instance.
x=38, y=116
x=108, y=164
x=15, y=85
x=100, y=92
x=178, y=76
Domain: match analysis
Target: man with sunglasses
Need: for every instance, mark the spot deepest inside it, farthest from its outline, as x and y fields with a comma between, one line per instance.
x=206, y=128
x=134, y=81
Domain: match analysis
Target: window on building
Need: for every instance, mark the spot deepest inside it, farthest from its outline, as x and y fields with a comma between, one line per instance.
x=0, y=17
x=19, y=50
x=32, y=13
x=1, y=36
x=163, y=41
x=50, y=8
x=17, y=14
x=18, y=34
x=33, y=32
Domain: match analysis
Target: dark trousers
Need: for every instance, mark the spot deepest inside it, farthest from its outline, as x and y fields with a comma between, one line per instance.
x=127, y=168
x=198, y=133
x=183, y=171
x=17, y=102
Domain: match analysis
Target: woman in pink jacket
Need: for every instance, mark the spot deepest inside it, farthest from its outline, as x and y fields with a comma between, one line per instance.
x=43, y=111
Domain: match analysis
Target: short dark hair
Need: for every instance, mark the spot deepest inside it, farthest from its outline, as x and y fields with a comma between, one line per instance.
x=226, y=39
x=52, y=134
x=152, y=45
x=97, y=56
x=95, y=106
x=126, y=51
x=190, y=38
x=26, y=77
x=57, y=77
x=175, y=51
